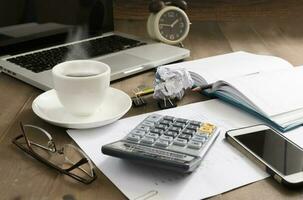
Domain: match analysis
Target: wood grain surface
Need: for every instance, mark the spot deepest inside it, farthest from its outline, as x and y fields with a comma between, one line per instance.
x=218, y=10
x=22, y=177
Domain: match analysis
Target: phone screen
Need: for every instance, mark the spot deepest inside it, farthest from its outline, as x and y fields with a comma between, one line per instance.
x=274, y=150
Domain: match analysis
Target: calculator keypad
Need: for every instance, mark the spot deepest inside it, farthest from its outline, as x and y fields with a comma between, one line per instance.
x=167, y=132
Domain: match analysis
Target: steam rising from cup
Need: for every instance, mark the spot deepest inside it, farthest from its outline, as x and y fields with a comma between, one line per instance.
x=77, y=51
x=94, y=27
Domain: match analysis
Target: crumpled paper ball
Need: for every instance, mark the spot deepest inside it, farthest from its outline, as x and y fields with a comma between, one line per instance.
x=171, y=83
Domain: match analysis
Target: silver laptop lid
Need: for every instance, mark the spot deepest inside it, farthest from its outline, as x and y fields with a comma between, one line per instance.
x=27, y=25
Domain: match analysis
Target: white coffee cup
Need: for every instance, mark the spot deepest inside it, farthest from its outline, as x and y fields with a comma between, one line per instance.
x=81, y=85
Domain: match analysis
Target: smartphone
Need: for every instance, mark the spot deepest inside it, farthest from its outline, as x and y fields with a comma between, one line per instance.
x=276, y=154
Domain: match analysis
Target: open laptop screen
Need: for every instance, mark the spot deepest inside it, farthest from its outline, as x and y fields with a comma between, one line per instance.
x=33, y=24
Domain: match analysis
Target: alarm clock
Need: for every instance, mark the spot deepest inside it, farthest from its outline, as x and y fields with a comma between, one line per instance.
x=168, y=21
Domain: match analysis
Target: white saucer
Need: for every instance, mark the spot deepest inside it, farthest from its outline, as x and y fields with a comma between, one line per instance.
x=48, y=107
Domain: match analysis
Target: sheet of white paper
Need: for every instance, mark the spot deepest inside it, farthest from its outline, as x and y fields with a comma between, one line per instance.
x=223, y=168
x=273, y=92
x=231, y=65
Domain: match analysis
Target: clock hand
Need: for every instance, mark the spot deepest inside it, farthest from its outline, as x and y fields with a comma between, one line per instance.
x=165, y=25
x=174, y=23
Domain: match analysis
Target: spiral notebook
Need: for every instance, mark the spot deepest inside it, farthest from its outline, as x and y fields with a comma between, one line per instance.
x=266, y=86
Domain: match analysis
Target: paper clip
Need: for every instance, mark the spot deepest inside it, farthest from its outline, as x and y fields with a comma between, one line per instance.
x=137, y=99
x=140, y=91
x=166, y=103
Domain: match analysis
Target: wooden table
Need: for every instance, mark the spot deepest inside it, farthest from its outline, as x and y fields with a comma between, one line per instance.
x=22, y=177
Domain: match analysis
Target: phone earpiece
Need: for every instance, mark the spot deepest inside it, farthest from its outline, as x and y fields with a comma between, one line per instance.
x=155, y=6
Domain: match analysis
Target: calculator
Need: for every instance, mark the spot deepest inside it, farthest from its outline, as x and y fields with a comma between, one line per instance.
x=169, y=142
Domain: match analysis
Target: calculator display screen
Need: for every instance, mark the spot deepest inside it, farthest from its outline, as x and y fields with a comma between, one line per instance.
x=274, y=150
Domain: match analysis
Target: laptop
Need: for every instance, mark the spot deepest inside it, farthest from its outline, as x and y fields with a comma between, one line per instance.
x=36, y=35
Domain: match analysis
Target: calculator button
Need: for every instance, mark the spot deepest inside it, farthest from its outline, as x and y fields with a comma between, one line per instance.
x=199, y=139
x=174, y=129
x=180, y=142
x=181, y=120
x=171, y=134
x=169, y=118
x=147, y=123
x=167, y=138
x=207, y=128
x=133, y=138
x=195, y=123
x=194, y=145
x=189, y=132
x=161, y=126
x=142, y=128
x=185, y=136
x=152, y=135
x=157, y=131
x=178, y=124
x=192, y=127
x=147, y=140
x=165, y=122
x=138, y=132
x=162, y=143
x=153, y=118
x=200, y=134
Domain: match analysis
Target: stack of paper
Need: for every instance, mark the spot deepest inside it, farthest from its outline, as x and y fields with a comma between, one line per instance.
x=223, y=168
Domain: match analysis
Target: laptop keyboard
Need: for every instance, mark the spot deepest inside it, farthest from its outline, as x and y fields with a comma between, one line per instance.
x=46, y=60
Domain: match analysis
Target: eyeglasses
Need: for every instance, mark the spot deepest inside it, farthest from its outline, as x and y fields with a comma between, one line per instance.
x=68, y=160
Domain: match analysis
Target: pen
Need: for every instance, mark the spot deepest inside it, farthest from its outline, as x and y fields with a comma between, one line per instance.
x=144, y=92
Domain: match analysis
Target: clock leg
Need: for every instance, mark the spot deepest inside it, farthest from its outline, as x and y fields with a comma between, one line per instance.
x=181, y=45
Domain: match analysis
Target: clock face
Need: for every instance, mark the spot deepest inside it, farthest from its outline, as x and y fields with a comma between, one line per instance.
x=172, y=25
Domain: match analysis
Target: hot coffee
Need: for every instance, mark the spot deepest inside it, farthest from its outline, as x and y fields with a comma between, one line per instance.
x=81, y=85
